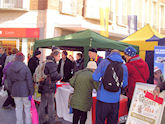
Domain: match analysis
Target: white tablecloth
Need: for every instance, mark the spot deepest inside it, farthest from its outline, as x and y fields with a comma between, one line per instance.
x=62, y=97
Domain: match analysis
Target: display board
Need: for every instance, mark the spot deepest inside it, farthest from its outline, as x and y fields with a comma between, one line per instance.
x=144, y=110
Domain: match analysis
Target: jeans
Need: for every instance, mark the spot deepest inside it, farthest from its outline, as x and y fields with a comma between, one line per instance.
x=107, y=111
x=79, y=115
x=47, y=99
x=22, y=103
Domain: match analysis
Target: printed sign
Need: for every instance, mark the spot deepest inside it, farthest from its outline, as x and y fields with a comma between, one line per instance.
x=144, y=110
x=159, y=64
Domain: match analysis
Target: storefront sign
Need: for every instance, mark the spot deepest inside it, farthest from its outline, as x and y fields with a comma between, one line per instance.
x=20, y=32
x=144, y=110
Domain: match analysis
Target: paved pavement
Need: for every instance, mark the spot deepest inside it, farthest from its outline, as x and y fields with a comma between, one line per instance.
x=8, y=116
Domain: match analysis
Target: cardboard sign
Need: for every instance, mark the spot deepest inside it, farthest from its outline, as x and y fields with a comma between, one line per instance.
x=143, y=110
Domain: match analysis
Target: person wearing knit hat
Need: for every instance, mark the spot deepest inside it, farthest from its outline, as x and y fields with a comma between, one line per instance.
x=83, y=84
x=20, y=85
x=34, y=61
x=92, y=52
x=138, y=70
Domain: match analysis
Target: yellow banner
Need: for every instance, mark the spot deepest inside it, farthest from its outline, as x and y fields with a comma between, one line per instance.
x=104, y=21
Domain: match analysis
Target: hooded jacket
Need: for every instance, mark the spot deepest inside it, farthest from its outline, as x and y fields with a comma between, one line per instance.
x=134, y=75
x=102, y=94
x=19, y=80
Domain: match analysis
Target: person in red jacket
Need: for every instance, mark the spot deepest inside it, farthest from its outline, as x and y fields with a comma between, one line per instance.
x=138, y=71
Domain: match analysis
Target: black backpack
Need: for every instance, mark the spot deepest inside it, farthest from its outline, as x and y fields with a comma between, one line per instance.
x=113, y=77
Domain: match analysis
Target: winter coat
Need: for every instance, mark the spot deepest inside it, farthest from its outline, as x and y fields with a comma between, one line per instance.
x=53, y=76
x=83, y=85
x=19, y=80
x=133, y=74
x=2, y=63
x=78, y=65
x=102, y=94
x=33, y=63
x=68, y=67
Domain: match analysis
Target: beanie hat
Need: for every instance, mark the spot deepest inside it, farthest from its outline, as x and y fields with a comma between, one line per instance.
x=19, y=56
x=156, y=69
x=93, y=50
x=91, y=65
x=37, y=52
x=130, y=51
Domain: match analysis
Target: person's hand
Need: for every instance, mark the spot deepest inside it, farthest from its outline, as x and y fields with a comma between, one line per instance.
x=0, y=66
x=30, y=98
x=156, y=92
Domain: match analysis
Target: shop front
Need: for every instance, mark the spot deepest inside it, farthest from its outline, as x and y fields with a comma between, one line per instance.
x=21, y=38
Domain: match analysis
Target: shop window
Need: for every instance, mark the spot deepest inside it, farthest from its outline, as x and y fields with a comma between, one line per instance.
x=68, y=7
x=16, y=4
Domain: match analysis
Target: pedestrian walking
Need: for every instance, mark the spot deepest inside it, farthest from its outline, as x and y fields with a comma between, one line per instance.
x=21, y=87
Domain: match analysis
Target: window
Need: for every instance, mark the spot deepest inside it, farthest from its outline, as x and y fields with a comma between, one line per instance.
x=122, y=18
x=92, y=9
x=16, y=4
x=161, y=20
x=69, y=7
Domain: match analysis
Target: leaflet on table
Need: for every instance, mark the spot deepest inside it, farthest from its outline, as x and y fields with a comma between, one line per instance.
x=144, y=110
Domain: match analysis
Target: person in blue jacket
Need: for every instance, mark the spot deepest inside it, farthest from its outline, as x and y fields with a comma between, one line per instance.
x=107, y=106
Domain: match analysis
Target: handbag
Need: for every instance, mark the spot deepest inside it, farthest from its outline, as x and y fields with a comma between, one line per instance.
x=34, y=114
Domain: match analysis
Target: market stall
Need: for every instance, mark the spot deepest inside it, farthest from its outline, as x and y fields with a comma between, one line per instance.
x=82, y=41
x=146, y=38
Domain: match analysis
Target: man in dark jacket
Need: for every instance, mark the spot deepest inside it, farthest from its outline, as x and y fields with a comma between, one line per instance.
x=93, y=56
x=21, y=87
x=2, y=62
x=138, y=71
x=34, y=61
x=49, y=87
x=65, y=67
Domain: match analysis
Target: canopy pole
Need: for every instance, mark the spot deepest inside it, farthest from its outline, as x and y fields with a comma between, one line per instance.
x=86, y=57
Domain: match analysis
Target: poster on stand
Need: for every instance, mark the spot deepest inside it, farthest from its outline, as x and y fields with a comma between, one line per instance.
x=159, y=64
x=144, y=110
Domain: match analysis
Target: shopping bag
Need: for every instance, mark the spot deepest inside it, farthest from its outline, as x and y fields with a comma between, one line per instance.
x=34, y=114
x=3, y=92
x=36, y=96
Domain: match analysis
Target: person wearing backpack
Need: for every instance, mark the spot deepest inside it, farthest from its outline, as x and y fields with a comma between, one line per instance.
x=112, y=75
x=138, y=71
x=49, y=88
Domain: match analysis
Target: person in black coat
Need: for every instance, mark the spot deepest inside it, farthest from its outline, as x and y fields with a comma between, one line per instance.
x=65, y=67
x=34, y=61
x=49, y=88
x=2, y=62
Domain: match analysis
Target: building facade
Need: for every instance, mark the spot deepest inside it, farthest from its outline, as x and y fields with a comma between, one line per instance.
x=51, y=18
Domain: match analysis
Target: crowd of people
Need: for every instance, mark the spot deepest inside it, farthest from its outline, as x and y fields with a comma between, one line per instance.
x=108, y=76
